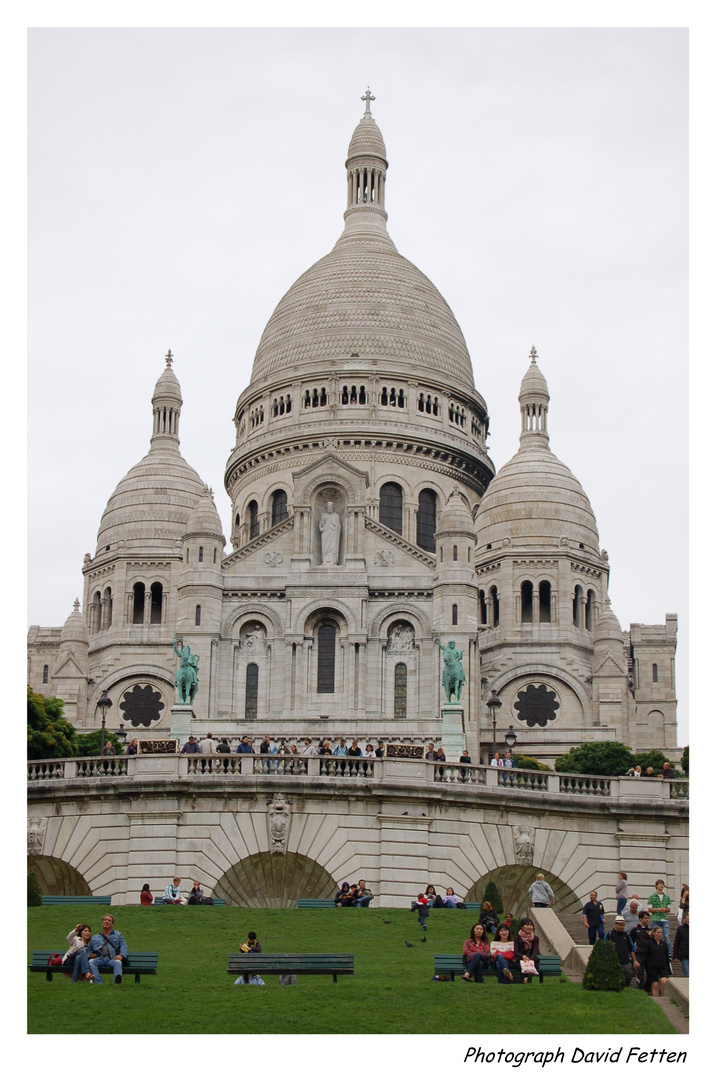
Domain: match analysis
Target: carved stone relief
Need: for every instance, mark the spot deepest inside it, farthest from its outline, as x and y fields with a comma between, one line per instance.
x=401, y=639
x=36, y=828
x=524, y=844
x=384, y=557
x=279, y=813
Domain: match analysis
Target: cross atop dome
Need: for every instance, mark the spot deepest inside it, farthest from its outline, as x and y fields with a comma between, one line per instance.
x=169, y=358
x=368, y=97
x=533, y=354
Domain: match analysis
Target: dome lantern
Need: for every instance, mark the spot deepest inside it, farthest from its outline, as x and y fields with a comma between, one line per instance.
x=534, y=399
x=366, y=166
x=166, y=405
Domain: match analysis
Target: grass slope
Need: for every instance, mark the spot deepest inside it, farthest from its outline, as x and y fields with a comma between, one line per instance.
x=390, y=993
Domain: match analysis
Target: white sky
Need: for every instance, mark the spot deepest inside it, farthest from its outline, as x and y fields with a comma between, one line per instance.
x=181, y=179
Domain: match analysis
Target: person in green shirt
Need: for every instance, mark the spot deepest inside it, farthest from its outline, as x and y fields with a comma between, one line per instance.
x=659, y=905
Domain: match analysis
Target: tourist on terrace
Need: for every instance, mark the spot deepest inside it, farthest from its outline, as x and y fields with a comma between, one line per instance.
x=541, y=893
x=344, y=897
x=431, y=754
x=208, y=745
x=502, y=954
x=78, y=940
x=172, y=892
x=133, y=747
x=108, y=750
x=464, y=760
x=657, y=963
x=680, y=944
x=526, y=948
x=476, y=954
x=593, y=918
x=659, y=905
x=191, y=746
x=354, y=752
x=380, y=749
x=341, y=751
x=223, y=746
x=683, y=903
x=306, y=747
x=621, y=888
x=146, y=897
x=668, y=772
x=245, y=746
x=497, y=761
x=441, y=760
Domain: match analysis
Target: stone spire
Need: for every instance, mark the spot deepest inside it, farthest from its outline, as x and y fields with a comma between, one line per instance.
x=166, y=407
x=366, y=170
x=534, y=399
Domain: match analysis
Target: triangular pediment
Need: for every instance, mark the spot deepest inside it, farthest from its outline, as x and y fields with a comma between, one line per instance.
x=610, y=666
x=69, y=669
x=391, y=541
x=329, y=467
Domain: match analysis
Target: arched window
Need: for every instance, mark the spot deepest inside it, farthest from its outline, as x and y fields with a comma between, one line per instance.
x=155, y=602
x=426, y=520
x=236, y=521
x=454, y=614
x=95, y=613
x=655, y=672
x=577, y=598
x=45, y=673
x=279, y=507
x=456, y=553
x=494, y=599
x=107, y=601
x=590, y=609
x=400, y=692
x=483, y=614
x=544, y=601
x=138, y=607
x=391, y=504
x=200, y=556
x=253, y=511
x=527, y=593
x=251, y=692
x=198, y=615
x=326, y=658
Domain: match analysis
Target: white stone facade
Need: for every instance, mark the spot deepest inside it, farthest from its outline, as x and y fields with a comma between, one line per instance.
x=362, y=396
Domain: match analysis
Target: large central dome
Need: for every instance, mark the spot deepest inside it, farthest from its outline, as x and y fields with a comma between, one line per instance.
x=364, y=299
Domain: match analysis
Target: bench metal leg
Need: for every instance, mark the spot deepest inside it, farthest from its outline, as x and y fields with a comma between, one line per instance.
x=137, y=977
x=334, y=976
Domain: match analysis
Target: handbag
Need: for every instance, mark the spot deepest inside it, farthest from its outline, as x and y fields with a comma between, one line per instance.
x=528, y=967
x=54, y=959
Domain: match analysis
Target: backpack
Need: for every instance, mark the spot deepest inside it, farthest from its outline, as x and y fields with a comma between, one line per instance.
x=54, y=959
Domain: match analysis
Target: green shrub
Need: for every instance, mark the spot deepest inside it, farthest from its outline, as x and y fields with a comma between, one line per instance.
x=49, y=734
x=493, y=895
x=684, y=761
x=597, y=759
x=651, y=759
x=523, y=762
x=34, y=896
x=90, y=743
x=603, y=970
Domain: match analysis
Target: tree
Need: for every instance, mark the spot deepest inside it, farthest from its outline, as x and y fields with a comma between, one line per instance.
x=493, y=895
x=603, y=970
x=523, y=762
x=684, y=761
x=90, y=743
x=650, y=759
x=49, y=734
x=34, y=895
x=597, y=759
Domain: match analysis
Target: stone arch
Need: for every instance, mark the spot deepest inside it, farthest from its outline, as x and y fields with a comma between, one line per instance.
x=56, y=877
x=329, y=606
x=513, y=883
x=380, y=623
x=117, y=682
x=308, y=481
x=267, y=880
x=250, y=611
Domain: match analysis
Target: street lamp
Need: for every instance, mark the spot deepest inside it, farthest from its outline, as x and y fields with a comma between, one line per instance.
x=510, y=737
x=493, y=704
x=104, y=704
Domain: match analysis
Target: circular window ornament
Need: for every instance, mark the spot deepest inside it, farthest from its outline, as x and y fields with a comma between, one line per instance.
x=142, y=706
x=536, y=705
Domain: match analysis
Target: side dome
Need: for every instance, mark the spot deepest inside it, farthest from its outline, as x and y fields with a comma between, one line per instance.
x=456, y=516
x=75, y=629
x=151, y=505
x=204, y=519
x=535, y=498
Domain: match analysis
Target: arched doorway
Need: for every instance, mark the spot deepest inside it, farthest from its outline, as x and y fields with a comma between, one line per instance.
x=57, y=878
x=513, y=882
x=266, y=880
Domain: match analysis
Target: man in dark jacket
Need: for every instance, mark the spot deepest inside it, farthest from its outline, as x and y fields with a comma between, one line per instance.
x=680, y=944
x=593, y=915
x=642, y=936
x=623, y=946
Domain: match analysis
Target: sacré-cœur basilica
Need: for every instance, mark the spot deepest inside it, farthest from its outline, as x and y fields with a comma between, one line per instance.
x=369, y=529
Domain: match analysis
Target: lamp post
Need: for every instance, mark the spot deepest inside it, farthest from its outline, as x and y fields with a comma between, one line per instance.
x=511, y=738
x=104, y=704
x=493, y=704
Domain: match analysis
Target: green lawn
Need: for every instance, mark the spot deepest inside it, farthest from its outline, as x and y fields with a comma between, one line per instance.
x=391, y=991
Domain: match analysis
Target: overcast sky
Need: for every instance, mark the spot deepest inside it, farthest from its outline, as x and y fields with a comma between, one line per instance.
x=181, y=180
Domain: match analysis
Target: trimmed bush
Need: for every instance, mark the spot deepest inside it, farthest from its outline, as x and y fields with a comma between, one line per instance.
x=603, y=970
x=493, y=895
x=523, y=762
x=34, y=896
x=651, y=759
x=684, y=761
x=597, y=759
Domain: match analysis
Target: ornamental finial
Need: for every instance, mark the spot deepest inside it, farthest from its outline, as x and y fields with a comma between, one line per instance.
x=169, y=358
x=533, y=354
x=368, y=97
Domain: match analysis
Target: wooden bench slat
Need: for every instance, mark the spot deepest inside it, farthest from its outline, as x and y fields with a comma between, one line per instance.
x=291, y=963
x=77, y=899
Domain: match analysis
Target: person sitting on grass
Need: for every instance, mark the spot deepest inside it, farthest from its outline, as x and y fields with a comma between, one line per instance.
x=146, y=897
x=172, y=892
x=108, y=948
x=476, y=954
x=433, y=897
x=251, y=945
x=344, y=897
x=364, y=895
x=79, y=939
x=489, y=917
x=502, y=954
x=451, y=900
x=196, y=894
x=526, y=948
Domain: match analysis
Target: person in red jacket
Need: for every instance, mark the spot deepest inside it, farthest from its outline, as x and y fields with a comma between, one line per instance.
x=146, y=897
x=476, y=953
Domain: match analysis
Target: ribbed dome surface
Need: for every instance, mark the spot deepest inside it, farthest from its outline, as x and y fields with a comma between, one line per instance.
x=150, y=507
x=535, y=497
x=75, y=628
x=167, y=386
x=366, y=140
x=366, y=298
x=204, y=518
x=456, y=516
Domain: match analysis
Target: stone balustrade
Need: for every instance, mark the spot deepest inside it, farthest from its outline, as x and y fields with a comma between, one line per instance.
x=352, y=771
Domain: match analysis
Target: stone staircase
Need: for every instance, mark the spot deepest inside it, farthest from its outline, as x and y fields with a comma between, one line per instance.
x=573, y=924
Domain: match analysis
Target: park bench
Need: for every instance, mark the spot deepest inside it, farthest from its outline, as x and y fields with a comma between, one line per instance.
x=77, y=900
x=315, y=903
x=216, y=902
x=137, y=963
x=469, y=905
x=291, y=964
x=451, y=965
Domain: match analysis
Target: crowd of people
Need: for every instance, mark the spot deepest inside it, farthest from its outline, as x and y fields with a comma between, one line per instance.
x=173, y=894
x=359, y=895
x=512, y=959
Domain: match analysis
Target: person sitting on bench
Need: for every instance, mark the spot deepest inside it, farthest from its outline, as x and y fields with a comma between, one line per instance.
x=107, y=948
